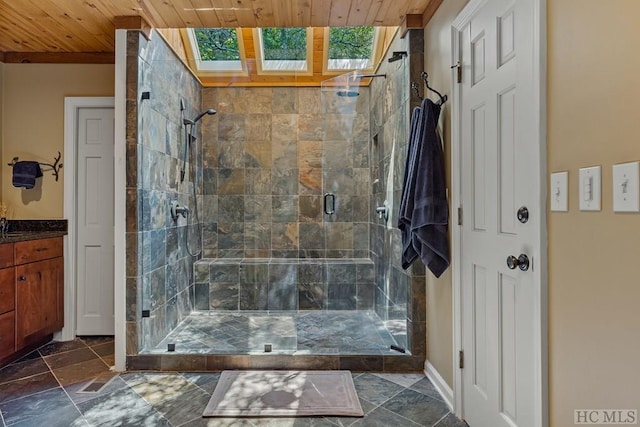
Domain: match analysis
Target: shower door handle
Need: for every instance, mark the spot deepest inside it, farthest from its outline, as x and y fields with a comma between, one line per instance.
x=329, y=203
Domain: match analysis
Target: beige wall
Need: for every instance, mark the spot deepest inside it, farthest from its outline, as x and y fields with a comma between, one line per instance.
x=594, y=283
x=33, y=127
x=437, y=52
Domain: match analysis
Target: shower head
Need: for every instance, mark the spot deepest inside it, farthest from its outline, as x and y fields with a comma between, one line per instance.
x=210, y=111
x=347, y=93
x=396, y=56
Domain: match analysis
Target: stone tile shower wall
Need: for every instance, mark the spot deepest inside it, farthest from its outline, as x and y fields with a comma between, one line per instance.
x=270, y=154
x=400, y=294
x=159, y=269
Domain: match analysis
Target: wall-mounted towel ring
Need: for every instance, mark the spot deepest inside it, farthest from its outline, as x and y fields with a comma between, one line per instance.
x=55, y=167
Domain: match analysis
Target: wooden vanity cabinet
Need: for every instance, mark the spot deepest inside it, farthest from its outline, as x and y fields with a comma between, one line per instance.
x=7, y=301
x=36, y=283
x=39, y=308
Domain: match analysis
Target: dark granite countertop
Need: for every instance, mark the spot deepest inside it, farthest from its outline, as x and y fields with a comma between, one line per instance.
x=22, y=236
x=23, y=230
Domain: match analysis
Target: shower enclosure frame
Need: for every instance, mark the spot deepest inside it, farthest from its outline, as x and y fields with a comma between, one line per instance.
x=135, y=360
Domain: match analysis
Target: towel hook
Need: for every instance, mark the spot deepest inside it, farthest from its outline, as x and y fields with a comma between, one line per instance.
x=425, y=78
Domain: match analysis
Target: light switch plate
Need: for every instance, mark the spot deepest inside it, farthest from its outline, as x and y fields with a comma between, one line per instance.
x=558, y=191
x=625, y=187
x=590, y=188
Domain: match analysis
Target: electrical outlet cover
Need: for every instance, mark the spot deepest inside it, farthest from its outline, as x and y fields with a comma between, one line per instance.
x=625, y=187
x=558, y=191
x=590, y=188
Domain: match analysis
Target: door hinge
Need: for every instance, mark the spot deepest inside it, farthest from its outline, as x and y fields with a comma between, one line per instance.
x=461, y=359
x=460, y=215
x=458, y=67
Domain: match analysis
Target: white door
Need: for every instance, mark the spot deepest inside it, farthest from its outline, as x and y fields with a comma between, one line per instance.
x=499, y=173
x=94, y=260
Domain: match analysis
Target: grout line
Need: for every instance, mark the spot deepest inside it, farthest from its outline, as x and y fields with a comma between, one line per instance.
x=146, y=401
x=100, y=357
x=180, y=373
x=4, y=424
x=443, y=417
x=60, y=352
x=75, y=405
x=28, y=376
x=399, y=415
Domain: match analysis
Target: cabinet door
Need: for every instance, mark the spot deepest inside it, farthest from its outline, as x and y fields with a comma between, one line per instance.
x=7, y=289
x=39, y=300
x=7, y=334
x=6, y=255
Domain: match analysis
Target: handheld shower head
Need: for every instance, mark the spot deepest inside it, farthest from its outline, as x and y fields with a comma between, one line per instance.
x=210, y=111
x=189, y=134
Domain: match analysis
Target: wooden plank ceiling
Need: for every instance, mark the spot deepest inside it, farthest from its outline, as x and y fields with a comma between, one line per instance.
x=63, y=26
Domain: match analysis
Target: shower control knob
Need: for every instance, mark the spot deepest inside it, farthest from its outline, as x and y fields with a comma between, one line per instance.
x=521, y=262
x=177, y=210
x=383, y=211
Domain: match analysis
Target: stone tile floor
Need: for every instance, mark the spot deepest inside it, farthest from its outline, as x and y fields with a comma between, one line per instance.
x=339, y=332
x=45, y=389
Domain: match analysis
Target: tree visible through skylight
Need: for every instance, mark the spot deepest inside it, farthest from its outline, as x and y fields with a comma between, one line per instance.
x=284, y=44
x=351, y=42
x=217, y=44
x=283, y=50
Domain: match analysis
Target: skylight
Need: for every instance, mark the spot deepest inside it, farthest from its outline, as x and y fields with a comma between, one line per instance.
x=218, y=49
x=284, y=49
x=282, y=54
x=351, y=48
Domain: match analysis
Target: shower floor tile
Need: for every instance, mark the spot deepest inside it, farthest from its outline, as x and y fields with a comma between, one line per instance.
x=340, y=332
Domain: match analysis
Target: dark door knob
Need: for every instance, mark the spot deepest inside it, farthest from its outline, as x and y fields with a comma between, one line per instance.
x=523, y=214
x=521, y=262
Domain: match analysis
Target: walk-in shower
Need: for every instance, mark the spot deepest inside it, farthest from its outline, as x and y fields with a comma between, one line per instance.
x=275, y=272
x=279, y=271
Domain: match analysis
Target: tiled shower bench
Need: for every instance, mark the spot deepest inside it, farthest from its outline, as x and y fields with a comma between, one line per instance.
x=284, y=284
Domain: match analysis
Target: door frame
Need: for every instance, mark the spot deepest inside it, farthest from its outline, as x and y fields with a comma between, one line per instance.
x=71, y=106
x=541, y=403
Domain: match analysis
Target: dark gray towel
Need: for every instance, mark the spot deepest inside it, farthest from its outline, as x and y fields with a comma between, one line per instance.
x=405, y=213
x=25, y=174
x=425, y=206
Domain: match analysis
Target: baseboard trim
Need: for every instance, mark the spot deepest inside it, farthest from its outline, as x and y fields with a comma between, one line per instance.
x=439, y=383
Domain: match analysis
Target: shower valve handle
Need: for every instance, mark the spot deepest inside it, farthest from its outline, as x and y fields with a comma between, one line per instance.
x=329, y=209
x=177, y=210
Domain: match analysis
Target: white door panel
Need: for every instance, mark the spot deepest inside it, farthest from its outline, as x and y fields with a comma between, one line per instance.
x=499, y=170
x=94, y=267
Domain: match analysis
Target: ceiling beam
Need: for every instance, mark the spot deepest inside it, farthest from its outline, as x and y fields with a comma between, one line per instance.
x=57, y=57
x=410, y=22
x=430, y=10
x=133, y=22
